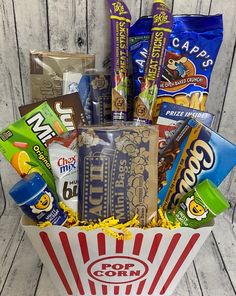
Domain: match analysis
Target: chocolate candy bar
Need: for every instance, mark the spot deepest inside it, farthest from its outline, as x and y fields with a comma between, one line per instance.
x=118, y=167
x=194, y=154
x=68, y=108
x=120, y=24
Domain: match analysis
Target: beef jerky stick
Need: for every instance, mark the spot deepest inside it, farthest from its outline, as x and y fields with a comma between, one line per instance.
x=144, y=108
x=120, y=24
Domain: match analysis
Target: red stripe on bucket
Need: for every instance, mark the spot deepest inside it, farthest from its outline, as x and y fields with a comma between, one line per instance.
x=71, y=261
x=48, y=246
x=137, y=243
x=164, y=262
x=92, y=287
x=128, y=289
x=104, y=289
x=101, y=244
x=116, y=290
x=119, y=245
x=154, y=247
x=140, y=287
x=181, y=260
x=83, y=246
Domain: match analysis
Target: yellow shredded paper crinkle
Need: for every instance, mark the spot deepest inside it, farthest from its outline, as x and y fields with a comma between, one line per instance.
x=111, y=226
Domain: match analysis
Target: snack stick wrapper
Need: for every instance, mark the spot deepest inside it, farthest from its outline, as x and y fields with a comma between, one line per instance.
x=24, y=143
x=64, y=161
x=120, y=24
x=161, y=28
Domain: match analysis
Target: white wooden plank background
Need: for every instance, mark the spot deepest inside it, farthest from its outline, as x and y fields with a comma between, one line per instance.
x=83, y=25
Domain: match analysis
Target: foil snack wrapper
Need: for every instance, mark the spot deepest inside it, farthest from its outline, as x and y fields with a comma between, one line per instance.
x=120, y=24
x=101, y=98
x=144, y=107
x=118, y=172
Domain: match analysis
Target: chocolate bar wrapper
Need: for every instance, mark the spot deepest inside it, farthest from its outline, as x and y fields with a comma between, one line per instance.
x=120, y=24
x=118, y=166
x=144, y=107
x=68, y=108
x=101, y=98
x=172, y=116
x=194, y=154
x=47, y=69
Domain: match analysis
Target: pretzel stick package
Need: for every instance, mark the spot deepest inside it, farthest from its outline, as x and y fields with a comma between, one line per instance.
x=144, y=108
x=120, y=24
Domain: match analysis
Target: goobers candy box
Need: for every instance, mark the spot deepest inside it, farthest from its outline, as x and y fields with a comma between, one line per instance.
x=23, y=143
x=194, y=154
x=118, y=171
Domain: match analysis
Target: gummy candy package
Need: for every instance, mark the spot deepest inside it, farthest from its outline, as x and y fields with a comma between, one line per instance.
x=194, y=44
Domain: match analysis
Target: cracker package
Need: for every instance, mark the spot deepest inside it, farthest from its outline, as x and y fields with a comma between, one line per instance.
x=194, y=154
x=118, y=170
x=24, y=143
x=63, y=154
x=47, y=70
x=68, y=108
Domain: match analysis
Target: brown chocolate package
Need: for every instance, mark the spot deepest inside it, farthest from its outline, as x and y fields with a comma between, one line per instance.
x=118, y=172
x=47, y=68
x=68, y=108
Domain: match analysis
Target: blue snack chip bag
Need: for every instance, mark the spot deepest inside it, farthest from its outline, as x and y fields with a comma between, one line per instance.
x=194, y=154
x=193, y=47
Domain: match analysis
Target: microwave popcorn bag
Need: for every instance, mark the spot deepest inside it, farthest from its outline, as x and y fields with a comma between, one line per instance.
x=195, y=153
x=47, y=70
x=193, y=47
x=23, y=143
x=63, y=156
x=118, y=170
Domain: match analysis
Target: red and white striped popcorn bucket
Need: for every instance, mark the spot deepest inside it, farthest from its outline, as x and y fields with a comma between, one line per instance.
x=92, y=263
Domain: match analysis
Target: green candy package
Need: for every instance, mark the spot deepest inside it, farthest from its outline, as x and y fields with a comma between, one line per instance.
x=23, y=143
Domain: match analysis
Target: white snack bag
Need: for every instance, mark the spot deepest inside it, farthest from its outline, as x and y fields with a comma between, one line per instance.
x=70, y=82
x=64, y=162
